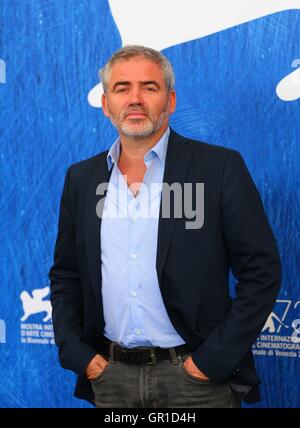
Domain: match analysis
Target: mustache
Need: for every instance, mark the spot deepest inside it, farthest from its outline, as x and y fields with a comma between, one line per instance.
x=134, y=110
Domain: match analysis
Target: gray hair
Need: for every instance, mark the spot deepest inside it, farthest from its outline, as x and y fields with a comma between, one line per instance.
x=132, y=51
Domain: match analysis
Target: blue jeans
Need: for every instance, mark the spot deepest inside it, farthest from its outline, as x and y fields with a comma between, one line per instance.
x=162, y=385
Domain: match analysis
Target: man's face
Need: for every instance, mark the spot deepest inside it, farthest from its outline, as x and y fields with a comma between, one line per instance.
x=137, y=101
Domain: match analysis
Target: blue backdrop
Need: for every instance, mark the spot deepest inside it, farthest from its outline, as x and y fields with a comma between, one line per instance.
x=51, y=51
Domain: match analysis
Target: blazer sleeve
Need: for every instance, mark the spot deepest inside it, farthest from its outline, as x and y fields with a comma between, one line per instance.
x=255, y=263
x=66, y=296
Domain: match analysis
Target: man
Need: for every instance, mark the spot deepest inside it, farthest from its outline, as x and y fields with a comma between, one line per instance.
x=141, y=304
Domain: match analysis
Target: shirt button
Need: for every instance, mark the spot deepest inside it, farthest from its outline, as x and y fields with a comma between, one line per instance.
x=134, y=219
x=137, y=331
x=133, y=256
x=133, y=293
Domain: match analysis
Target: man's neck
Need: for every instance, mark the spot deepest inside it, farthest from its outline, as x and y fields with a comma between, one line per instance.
x=134, y=150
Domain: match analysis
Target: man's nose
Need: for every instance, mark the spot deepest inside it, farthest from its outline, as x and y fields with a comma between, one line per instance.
x=135, y=97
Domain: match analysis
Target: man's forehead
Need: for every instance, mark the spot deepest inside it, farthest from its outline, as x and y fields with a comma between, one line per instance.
x=134, y=67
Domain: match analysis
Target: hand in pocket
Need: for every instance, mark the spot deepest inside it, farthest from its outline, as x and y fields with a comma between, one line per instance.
x=95, y=367
x=193, y=370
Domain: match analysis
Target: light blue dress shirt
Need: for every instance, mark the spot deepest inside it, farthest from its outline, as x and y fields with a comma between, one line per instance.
x=134, y=311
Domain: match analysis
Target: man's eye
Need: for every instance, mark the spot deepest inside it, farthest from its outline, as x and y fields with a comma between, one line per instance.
x=119, y=90
x=150, y=89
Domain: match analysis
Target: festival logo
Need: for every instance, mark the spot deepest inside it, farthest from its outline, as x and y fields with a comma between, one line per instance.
x=35, y=305
x=280, y=335
x=288, y=89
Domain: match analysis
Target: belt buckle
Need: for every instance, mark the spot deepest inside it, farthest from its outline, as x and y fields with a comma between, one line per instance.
x=153, y=357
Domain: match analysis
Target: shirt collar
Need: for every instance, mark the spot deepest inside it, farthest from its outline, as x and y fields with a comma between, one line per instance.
x=159, y=150
x=113, y=154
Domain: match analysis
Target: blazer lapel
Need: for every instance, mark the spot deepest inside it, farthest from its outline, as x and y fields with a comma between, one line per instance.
x=178, y=157
x=100, y=175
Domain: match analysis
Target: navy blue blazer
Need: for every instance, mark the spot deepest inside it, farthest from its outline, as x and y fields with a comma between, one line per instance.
x=192, y=266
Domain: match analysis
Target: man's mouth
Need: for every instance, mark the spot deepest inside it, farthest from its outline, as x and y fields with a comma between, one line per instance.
x=135, y=114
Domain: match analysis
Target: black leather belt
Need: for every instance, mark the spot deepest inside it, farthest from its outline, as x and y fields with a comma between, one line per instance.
x=115, y=352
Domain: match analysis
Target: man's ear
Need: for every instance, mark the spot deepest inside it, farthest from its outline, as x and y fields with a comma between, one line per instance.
x=172, y=101
x=104, y=105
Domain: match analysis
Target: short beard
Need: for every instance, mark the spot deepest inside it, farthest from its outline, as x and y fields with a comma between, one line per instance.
x=149, y=129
